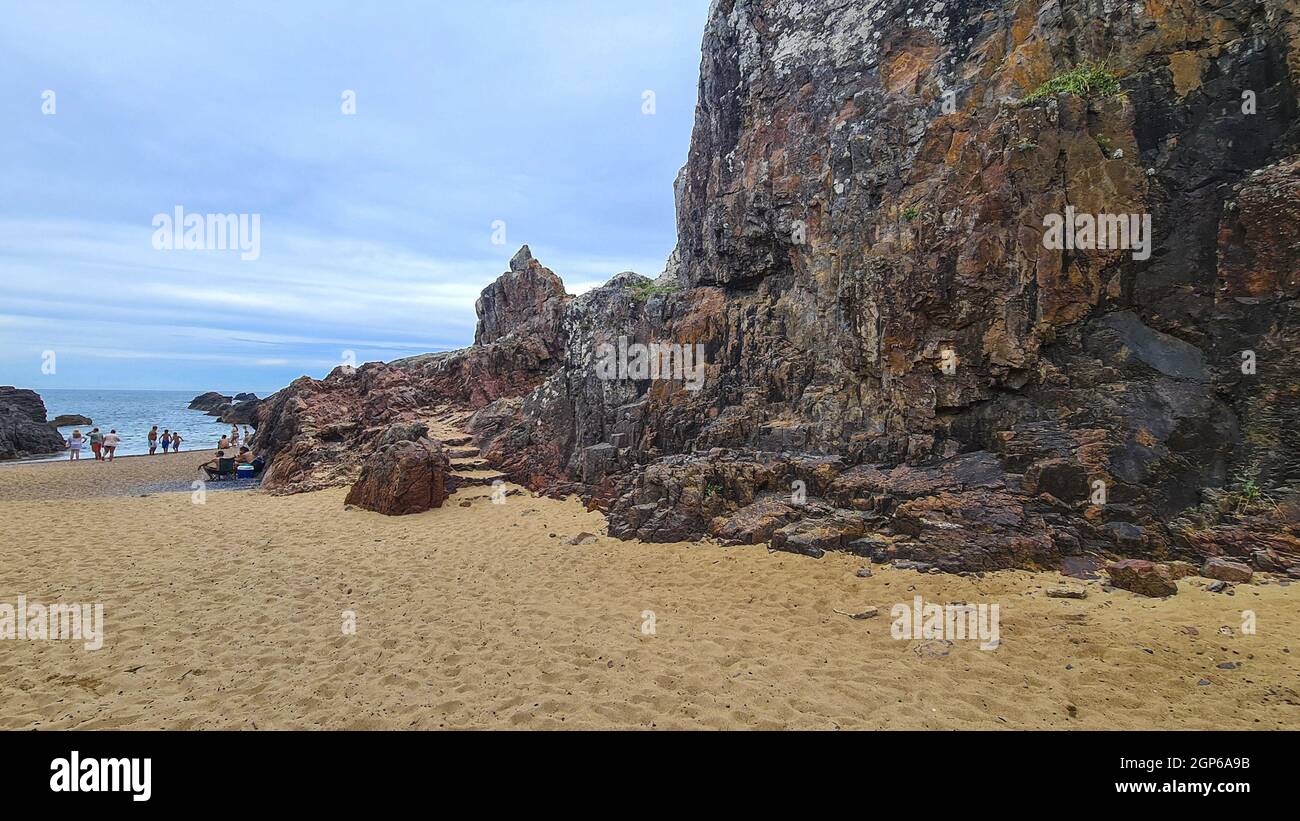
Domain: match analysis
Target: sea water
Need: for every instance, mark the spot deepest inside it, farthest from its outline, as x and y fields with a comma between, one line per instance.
x=132, y=413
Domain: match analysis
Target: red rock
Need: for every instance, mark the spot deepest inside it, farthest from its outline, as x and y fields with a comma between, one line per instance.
x=1142, y=577
x=1227, y=570
x=401, y=478
x=753, y=524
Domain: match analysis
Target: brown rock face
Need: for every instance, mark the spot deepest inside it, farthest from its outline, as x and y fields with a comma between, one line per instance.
x=402, y=477
x=864, y=264
x=1141, y=577
x=527, y=298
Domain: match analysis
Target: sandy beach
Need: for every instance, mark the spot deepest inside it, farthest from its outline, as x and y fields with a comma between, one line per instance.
x=86, y=478
x=230, y=614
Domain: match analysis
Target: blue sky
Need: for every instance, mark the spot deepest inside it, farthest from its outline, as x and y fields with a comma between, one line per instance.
x=376, y=228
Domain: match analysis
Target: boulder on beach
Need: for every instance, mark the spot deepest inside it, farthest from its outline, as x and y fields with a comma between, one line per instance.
x=406, y=476
x=70, y=419
x=1226, y=570
x=1142, y=577
x=24, y=430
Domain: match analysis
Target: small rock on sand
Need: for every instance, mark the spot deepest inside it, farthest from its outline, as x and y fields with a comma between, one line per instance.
x=1227, y=570
x=1142, y=577
x=1066, y=593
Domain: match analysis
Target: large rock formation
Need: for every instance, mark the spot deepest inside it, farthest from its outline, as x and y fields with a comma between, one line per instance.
x=407, y=474
x=24, y=430
x=900, y=361
x=315, y=433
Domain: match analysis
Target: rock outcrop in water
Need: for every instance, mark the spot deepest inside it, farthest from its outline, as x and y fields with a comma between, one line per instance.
x=240, y=409
x=24, y=430
x=209, y=401
x=897, y=363
x=70, y=419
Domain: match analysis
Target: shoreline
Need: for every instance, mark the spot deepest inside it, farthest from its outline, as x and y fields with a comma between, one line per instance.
x=85, y=478
x=87, y=456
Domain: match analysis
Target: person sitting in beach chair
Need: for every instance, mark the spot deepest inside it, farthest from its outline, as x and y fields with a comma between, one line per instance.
x=246, y=457
x=220, y=467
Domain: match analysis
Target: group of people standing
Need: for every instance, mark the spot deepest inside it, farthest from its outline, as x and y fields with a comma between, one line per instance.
x=103, y=445
x=169, y=440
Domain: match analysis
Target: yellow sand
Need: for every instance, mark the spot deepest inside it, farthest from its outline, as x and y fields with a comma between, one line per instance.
x=230, y=614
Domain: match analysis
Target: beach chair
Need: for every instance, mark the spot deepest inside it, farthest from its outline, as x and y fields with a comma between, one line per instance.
x=225, y=469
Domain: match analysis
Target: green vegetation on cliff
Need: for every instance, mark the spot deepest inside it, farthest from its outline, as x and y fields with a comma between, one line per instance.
x=1090, y=81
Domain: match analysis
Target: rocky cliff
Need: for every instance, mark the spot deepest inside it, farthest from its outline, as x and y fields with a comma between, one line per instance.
x=900, y=358
x=24, y=430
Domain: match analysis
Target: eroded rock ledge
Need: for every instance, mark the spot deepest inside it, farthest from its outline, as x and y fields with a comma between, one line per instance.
x=863, y=202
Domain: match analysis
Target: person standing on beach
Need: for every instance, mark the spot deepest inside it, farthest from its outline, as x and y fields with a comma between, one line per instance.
x=74, y=446
x=111, y=441
x=97, y=444
x=247, y=436
x=153, y=439
x=166, y=440
x=234, y=435
x=176, y=442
